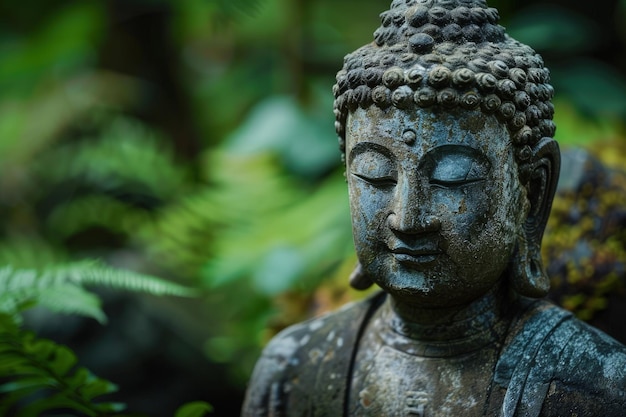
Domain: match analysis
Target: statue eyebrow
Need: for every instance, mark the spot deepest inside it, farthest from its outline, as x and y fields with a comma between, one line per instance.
x=362, y=147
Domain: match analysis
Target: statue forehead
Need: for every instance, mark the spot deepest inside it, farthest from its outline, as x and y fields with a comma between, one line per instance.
x=429, y=128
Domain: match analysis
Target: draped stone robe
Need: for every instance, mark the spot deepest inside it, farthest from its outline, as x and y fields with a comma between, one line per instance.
x=551, y=365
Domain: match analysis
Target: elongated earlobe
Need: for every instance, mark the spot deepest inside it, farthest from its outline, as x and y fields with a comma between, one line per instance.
x=529, y=278
x=359, y=280
x=544, y=175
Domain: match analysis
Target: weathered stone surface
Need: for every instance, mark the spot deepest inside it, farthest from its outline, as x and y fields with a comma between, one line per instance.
x=446, y=127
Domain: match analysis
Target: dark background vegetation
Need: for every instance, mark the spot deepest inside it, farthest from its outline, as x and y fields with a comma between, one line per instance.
x=193, y=140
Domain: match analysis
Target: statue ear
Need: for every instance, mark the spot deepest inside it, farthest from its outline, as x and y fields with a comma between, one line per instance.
x=359, y=279
x=541, y=174
x=545, y=164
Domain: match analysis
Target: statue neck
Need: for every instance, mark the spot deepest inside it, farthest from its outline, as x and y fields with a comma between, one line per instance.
x=469, y=327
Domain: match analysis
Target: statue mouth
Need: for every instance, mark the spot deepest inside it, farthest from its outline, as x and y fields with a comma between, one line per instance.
x=415, y=257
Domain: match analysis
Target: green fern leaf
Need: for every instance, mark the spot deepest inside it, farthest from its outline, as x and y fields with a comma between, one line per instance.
x=71, y=299
x=61, y=359
x=94, y=273
x=55, y=402
x=42, y=376
x=25, y=385
x=96, y=387
x=60, y=289
x=27, y=252
x=194, y=409
x=125, y=156
x=96, y=210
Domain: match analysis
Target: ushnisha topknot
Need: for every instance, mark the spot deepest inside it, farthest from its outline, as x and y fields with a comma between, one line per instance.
x=449, y=53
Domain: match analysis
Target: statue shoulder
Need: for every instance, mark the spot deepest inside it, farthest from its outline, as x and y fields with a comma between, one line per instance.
x=306, y=340
x=301, y=358
x=593, y=360
x=592, y=366
x=556, y=364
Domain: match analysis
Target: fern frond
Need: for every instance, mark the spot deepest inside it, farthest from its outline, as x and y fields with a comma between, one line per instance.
x=194, y=409
x=60, y=288
x=43, y=376
x=71, y=299
x=127, y=155
x=95, y=273
x=248, y=7
x=281, y=249
x=185, y=232
x=30, y=251
x=96, y=210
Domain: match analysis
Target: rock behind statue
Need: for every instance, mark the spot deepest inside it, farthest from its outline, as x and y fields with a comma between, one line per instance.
x=445, y=124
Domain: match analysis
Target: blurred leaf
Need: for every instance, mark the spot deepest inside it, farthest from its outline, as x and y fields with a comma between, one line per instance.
x=278, y=271
x=32, y=365
x=186, y=231
x=66, y=43
x=278, y=125
x=548, y=27
x=28, y=252
x=595, y=88
x=316, y=228
x=97, y=210
x=577, y=129
x=194, y=409
x=182, y=236
x=71, y=299
x=93, y=273
x=226, y=88
x=127, y=154
x=29, y=126
x=59, y=288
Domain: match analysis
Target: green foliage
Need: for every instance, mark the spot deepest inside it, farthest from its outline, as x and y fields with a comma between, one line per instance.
x=126, y=153
x=255, y=233
x=585, y=244
x=63, y=44
x=278, y=126
x=40, y=375
x=595, y=88
x=569, y=41
x=547, y=27
x=194, y=409
x=30, y=252
x=60, y=288
x=119, y=178
x=43, y=376
x=574, y=129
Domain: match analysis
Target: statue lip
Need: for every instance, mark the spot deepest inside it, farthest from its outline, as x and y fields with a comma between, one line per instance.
x=415, y=256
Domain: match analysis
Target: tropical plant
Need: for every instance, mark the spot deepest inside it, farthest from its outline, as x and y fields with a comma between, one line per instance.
x=40, y=376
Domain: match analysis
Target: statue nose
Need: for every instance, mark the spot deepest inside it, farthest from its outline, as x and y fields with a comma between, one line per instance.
x=409, y=214
x=413, y=223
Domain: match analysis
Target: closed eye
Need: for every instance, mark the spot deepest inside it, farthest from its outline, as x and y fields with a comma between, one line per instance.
x=454, y=166
x=379, y=182
x=373, y=165
x=454, y=183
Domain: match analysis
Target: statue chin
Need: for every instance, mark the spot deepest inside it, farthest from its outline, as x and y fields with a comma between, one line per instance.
x=430, y=288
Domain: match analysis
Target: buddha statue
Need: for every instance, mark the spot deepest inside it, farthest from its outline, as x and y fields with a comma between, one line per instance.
x=445, y=124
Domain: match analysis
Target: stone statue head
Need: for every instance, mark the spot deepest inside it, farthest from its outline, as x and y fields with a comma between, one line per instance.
x=445, y=124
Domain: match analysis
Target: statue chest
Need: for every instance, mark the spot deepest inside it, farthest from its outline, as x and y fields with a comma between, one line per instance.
x=388, y=381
